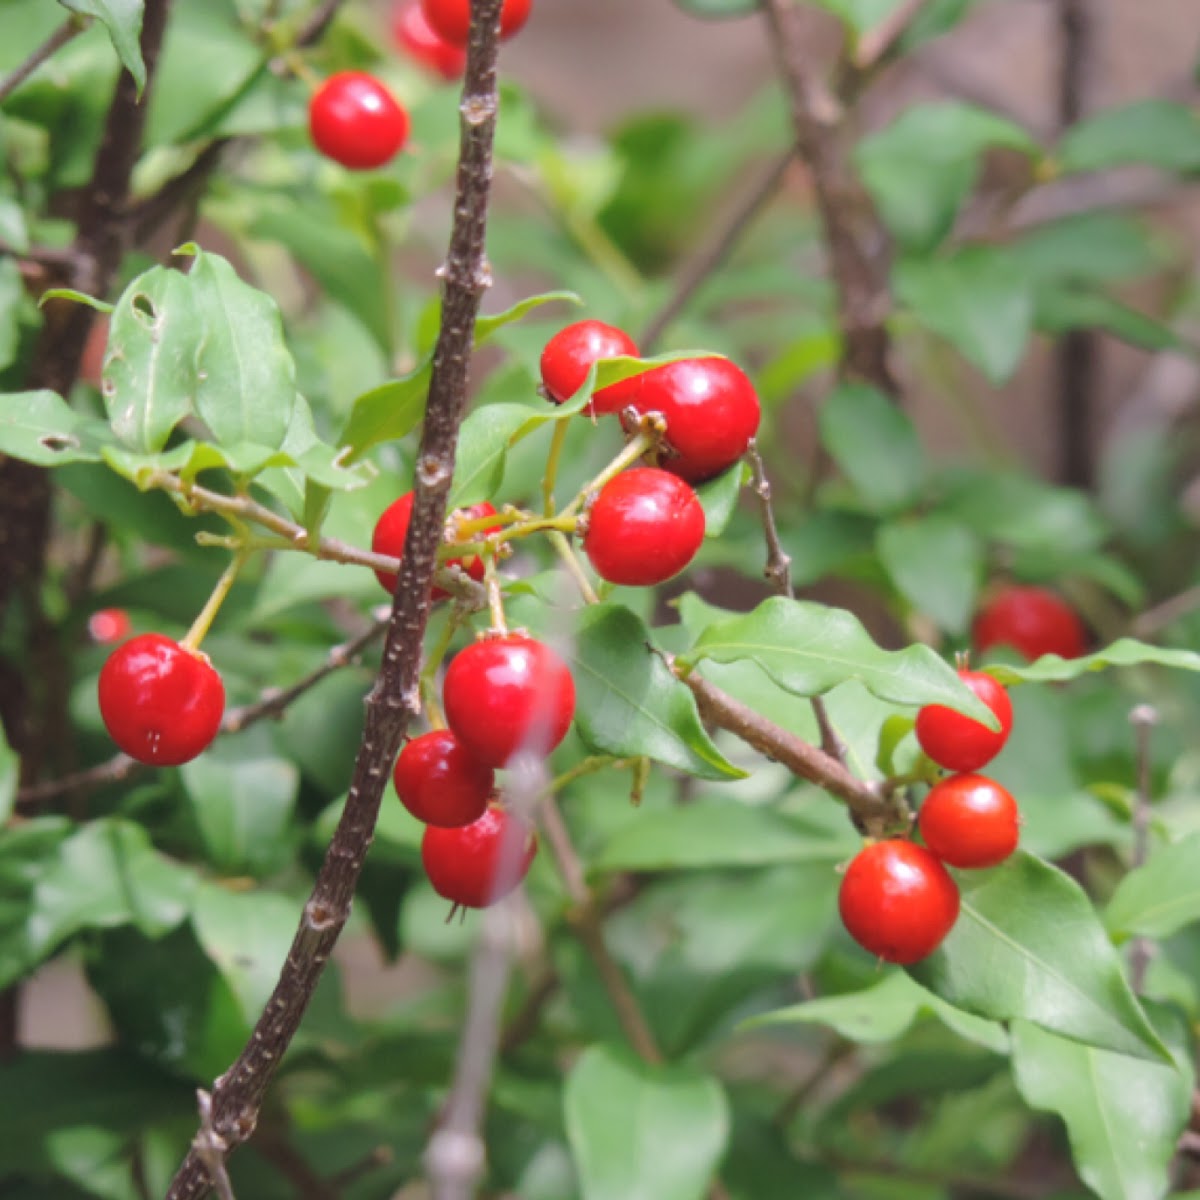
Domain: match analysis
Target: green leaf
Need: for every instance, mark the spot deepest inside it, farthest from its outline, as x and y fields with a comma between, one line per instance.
x=27, y=852
x=123, y=20
x=1060, y=309
x=719, y=498
x=921, y=167
x=1094, y=247
x=643, y=1132
x=1160, y=897
x=977, y=298
x=875, y=445
x=1028, y=945
x=10, y=766
x=1123, y=1116
x=41, y=428
x=630, y=705
x=1124, y=652
x=1157, y=133
x=487, y=325
x=937, y=565
x=808, y=648
x=12, y=296
x=718, y=9
x=860, y=15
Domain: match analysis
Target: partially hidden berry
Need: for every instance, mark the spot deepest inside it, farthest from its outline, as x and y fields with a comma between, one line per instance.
x=107, y=626
x=898, y=901
x=478, y=864
x=1033, y=621
x=569, y=355
x=439, y=781
x=958, y=742
x=161, y=703
x=452, y=18
x=356, y=121
x=970, y=821
x=423, y=44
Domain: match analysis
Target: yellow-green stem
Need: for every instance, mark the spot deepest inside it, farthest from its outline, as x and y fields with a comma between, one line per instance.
x=208, y=613
x=491, y=582
x=589, y=766
x=552, y=461
x=562, y=548
x=634, y=450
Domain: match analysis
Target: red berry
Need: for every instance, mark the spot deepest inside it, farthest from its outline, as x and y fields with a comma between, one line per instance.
x=970, y=821
x=711, y=410
x=439, y=782
x=644, y=527
x=898, y=901
x=480, y=863
x=414, y=35
x=392, y=528
x=162, y=704
x=108, y=625
x=356, y=121
x=508, y=693
x=452, y=18
x=958, y=742
x=1032, y=620
x=569, y=355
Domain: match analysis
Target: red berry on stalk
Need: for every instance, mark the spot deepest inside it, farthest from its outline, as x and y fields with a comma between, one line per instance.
x=452, y=18
x=356, y=121
x=1033, y=620
x=898, y=901
x=109, y=625
x=161, y=703
x=711, y=410
x=392, y=528
x=958, y=742
x=644, y=527
x=569, y=355
x=417, y=38
x=440, y=783
x=506, y=694
x=478, y=864
x=970, y=821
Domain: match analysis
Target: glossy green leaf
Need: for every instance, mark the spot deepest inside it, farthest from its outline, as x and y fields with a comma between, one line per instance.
x=41, y=428
x=628, y=702
x=643, y=1132
x=936, y=565
x=1123, y=1116
x=719, y=498
x=27, y=852
x=808, y=648
x=1124, y=652
x=875, y=445
x=977, y=298
x=1157, y=133
x=123, y=20
x=1161, y=897
x=1006, y=960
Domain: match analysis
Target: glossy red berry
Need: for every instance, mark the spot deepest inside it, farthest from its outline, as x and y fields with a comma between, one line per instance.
x=107, y=626
x=452, y=18
x=644, y=527
x=506, y=694
x=440, y=783
x=1033, y=620
x=162, y=704
x=898, y=901
x=958, y=742
x=478, y=864
x=711, y=410
x=356, y=121
x=970, y=821
x=422, y=43
x=392, y=528
x=569, y=354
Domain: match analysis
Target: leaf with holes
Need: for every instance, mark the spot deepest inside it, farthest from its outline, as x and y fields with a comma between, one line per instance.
x=41, y=428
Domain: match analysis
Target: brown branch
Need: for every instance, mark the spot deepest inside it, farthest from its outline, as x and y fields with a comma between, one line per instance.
x=71, y=28
x=524, y=1023
x=238, y=1094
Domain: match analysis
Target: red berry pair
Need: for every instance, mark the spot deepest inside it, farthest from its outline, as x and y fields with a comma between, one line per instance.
x=417, y=37
x=451, y=19
x=356, y=121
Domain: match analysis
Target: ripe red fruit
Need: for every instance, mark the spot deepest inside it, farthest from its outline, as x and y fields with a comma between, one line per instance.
x=480, y=863
x=417, y=38
x=356, y=121
x=1032, y=620
x=958, y=742
x=569, y=354
x=392, y=528
x=109, y=625
x=508, y=693
x=711, y=410
x=898, y=901
x=439, y=782
x=644, y=527
x=452, y=18
x=970, y=821
x=162, y=704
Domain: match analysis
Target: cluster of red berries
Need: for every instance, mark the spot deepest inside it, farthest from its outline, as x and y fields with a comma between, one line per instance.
x=897, y=899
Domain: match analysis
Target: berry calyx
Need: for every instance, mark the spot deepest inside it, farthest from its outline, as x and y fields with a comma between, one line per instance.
x=644, y=527
x=506, y=694
x=392, y=528
x=479, y=864
x=440, y=783
x=711, y=410
x=107, y=626
x=970, y=821
x=416, y=37
x=569, y=355
x=958, y=742
x=1033, y=620
x=898, y=901
x=161, y=703
x=356, y=121
x=452, y=18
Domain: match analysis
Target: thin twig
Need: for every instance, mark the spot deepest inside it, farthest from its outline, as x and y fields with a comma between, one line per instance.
x=71, y=28
x=210, y=1148
x=1143, y=719
x=524, y=1023
x=875, y=43
x=1154, y=620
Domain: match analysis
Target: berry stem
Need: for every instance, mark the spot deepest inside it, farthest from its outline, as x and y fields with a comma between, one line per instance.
x=644, y=440
x=202, y=623
x=552, y=461
x=570, y=560
x=428, y=680
x=491, y=583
